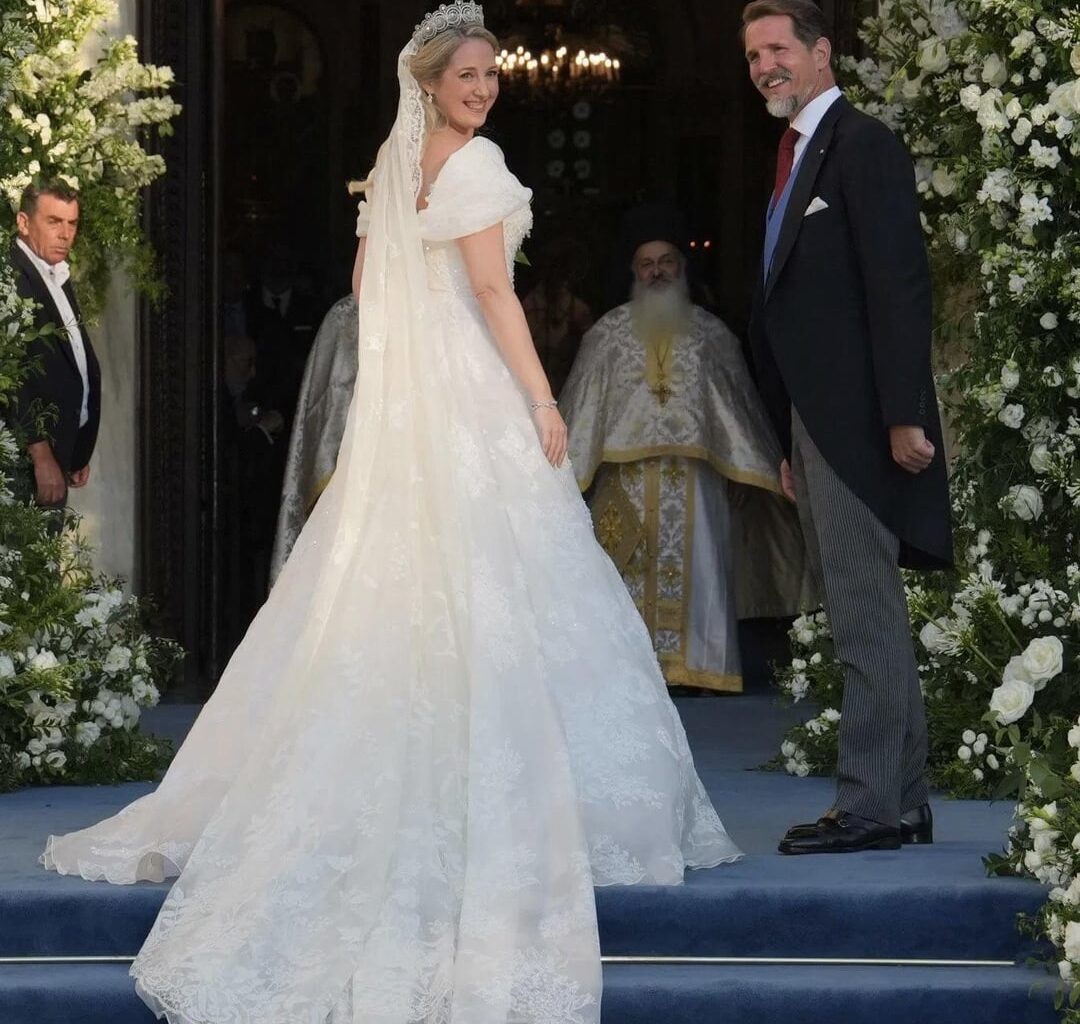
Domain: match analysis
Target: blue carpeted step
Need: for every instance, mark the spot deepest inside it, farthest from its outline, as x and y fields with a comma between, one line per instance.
x=70, y=994
x=916, y=903
x=763, y=907
x=93, y=994
x=827, y=995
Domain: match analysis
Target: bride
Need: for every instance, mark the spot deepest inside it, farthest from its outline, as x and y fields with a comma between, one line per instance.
x=447, y=722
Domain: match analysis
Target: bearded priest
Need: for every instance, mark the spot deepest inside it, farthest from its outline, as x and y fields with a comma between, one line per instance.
x=678, y=460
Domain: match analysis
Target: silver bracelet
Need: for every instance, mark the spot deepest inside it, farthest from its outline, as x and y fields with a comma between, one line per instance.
x=533, y=406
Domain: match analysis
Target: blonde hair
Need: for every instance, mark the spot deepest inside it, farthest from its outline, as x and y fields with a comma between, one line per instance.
x=428, y=65
x=430, y=62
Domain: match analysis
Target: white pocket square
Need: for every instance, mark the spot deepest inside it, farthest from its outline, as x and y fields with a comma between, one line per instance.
x=816, y=206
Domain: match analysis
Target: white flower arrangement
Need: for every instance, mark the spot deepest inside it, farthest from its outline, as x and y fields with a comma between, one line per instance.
x=76, y=666
x=85, y=122
x=998, y=106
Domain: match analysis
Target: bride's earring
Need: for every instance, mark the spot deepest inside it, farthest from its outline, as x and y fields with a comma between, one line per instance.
x=430, y=97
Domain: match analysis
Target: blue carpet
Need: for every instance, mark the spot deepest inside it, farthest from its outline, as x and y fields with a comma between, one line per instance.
x=920, y=902
x=103, y=994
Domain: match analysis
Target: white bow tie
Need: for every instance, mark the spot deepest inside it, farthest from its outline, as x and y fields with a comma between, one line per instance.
x=60, y=273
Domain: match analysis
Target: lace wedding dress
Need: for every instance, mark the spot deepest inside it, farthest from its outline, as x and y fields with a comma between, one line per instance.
x=447, y=722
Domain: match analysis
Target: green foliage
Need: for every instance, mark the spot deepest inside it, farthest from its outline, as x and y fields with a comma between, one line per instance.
x=76, y=666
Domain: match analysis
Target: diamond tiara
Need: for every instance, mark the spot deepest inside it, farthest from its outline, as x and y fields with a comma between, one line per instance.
x=448, y=16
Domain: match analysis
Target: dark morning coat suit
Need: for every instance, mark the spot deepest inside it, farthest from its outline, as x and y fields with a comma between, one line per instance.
x=841, y=329
x=53, y=380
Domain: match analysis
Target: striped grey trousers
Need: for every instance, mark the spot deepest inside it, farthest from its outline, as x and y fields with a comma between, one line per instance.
x=881, y=771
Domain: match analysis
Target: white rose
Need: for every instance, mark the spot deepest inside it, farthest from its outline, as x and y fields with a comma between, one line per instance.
x=1052, y=377
x=933, y=55
x=1015, y=670
x=944, y=183
x=117, y=660
x=1065, y=99
x=1022, y=42
x=7, y=666
x=992, y=762
x=933, y=635
x=1039, y=459
x=970, y=96
x=1025, y=502
x=43, y=661
x=1022, y=132
x=799, y=665
x=1074, y=771
x=1012, y=416
x=56, y=759
x=1032, y=861
x=831, y=715
x=1013, y=109
x=87, y=734
x=994, y=72
x=969, y=736
x=1072, y=941
x=991, y=112
x=964, y=753
x=787, y=748
x=1043, y=659
x=1074, y=737
x=36, y=747
x=1011, y=700
x=815, y=658
x=1074, y=59
x=1048, y=321
x=1065, y=969
x=1010, y=375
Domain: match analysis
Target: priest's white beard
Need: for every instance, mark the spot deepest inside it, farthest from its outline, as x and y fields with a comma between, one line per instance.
x=661, y=308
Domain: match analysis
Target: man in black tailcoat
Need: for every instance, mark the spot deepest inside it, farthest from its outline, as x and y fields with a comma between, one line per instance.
x=841, y=331
x=58, y=405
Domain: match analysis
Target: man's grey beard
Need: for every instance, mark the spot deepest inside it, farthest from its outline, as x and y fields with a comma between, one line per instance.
x=661, y=308
x=785, y=107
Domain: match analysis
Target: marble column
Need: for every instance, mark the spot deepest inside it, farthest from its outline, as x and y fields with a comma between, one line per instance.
x=107, y=503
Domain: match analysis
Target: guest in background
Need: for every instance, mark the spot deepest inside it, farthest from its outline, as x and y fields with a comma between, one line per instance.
x=319, y=424
x=58, y=405
x=669, y=437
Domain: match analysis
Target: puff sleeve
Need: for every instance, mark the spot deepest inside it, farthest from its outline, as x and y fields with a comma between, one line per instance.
x=473, y=191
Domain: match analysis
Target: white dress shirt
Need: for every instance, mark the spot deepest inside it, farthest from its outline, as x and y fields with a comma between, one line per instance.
x=807, y=120
x=55, y=276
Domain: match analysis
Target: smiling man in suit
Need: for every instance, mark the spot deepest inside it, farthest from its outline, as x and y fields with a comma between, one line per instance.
x=841, y=332
x=63, y=380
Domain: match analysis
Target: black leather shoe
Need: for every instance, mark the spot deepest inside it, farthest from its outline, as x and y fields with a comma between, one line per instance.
x=847, y=833
x=917, y=826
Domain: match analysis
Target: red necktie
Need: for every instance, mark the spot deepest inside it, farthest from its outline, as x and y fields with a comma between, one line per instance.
x=785, y=160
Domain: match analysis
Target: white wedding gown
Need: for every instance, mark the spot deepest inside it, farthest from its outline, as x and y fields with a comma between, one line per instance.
x=443, y=728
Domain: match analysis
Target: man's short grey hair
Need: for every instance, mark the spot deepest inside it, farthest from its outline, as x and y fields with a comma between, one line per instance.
x=53, y=187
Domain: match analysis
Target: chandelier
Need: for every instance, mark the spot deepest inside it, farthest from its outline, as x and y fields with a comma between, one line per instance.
x=555, y=68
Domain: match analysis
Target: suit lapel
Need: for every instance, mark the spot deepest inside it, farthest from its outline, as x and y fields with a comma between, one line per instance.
x=43, y=296
x=806, y=176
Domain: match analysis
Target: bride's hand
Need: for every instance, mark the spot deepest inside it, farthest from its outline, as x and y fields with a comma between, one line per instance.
x=552, y=430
